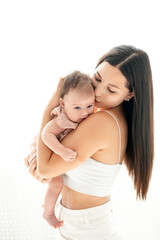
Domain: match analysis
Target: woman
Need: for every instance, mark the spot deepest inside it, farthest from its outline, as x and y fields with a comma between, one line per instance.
x=121, y=130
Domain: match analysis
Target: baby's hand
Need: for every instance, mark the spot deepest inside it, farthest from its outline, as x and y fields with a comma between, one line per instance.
x=68, y=154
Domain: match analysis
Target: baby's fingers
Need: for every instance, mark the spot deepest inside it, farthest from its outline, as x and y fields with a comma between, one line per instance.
x=72, y=157
x=74, y=154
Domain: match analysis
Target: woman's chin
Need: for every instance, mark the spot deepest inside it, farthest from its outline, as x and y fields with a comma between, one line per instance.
x=99, y=105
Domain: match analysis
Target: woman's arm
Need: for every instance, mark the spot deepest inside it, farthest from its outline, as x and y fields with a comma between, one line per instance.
x=43, y=150
x=88, y=138
x=54, y=102
x=33, y=170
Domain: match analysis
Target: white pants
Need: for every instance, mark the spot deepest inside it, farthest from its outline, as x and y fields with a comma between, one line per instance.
x=97, y=223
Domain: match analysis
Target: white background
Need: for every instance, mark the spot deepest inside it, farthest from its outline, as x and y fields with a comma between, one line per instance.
x=43, y=40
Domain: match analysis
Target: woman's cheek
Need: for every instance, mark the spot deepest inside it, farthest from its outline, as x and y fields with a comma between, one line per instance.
x=118, y=101
x=112, y=101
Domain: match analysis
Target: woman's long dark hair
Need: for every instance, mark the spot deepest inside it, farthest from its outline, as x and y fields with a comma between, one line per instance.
x=135, y=66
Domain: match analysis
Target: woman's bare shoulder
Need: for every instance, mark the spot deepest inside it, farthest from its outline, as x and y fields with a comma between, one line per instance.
x=101, y=120
x=95, y=129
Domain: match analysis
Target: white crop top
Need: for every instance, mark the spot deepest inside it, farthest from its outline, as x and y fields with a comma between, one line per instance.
x=93, y=177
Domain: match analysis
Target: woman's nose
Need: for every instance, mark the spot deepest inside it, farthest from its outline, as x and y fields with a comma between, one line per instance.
x=99, y=91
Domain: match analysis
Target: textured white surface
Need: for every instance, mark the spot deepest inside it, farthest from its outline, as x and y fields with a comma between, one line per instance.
x=21, y=209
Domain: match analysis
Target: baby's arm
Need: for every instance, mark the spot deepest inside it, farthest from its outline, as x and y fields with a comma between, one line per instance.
x=49, y=133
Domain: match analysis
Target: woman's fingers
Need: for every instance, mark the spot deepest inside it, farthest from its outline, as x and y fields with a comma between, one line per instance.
x=43, y=180
x=60, y=82
x=33, y=166
x=34, y=173
x=58, y=90
x=26, y=163
x=33, y=170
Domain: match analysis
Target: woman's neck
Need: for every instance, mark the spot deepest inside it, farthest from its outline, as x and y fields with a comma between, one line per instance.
x=118, y=109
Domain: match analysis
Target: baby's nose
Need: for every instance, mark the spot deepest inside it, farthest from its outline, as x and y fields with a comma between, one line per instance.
x=84, y=113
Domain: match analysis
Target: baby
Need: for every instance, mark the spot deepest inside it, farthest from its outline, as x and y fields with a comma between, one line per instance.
x=76, y=103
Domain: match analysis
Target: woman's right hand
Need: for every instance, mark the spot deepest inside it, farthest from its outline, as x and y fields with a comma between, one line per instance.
x=58, y=89
x=53, y=102
x=33, y=170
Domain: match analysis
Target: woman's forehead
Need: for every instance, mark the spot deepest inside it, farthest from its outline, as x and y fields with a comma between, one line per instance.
x=111, y=74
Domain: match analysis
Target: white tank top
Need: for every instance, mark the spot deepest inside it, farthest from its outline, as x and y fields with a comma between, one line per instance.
x=93, y=177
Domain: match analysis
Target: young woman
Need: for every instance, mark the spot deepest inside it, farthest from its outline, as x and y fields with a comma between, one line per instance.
x=120, y=131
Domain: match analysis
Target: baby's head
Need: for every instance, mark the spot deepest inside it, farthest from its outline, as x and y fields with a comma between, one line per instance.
x=77, y=96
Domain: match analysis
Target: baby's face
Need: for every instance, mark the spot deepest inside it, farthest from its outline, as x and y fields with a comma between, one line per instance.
x=78, y=105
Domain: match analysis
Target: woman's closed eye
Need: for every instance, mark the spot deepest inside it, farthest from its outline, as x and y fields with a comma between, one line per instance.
x=97, y=79
x=110, y=90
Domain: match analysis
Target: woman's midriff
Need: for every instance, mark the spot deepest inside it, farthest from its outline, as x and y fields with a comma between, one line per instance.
x=76, y=201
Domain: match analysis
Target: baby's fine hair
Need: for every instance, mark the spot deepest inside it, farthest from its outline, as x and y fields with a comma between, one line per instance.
x=76, y=80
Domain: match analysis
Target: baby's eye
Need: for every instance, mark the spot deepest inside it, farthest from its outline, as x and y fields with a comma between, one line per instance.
x=89, y=106
x=76, y=107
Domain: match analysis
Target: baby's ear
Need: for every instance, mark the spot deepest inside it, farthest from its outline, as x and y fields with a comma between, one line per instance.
x=61, y=102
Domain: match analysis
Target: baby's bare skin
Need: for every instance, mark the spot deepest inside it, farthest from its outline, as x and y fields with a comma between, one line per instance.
x=52, y=220
x=49, y=137
x=68, y=154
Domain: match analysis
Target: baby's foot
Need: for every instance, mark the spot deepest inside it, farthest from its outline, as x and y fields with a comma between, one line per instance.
x=52, y=220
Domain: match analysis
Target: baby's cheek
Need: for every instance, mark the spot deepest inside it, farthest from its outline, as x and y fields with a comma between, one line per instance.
x=91, y=110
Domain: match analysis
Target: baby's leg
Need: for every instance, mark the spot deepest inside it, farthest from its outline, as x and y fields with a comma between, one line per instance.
x=53, y=191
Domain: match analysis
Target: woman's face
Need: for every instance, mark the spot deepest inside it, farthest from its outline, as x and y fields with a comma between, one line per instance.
x=110, y=86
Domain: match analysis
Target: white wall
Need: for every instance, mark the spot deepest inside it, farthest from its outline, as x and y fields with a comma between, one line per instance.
x=43, y=40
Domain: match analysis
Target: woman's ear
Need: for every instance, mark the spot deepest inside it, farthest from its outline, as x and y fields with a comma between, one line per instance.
x=61, y=102
x=129, y=96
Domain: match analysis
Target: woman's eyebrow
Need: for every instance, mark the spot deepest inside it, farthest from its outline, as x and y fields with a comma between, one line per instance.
x=98, y=74
x=112, y=85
